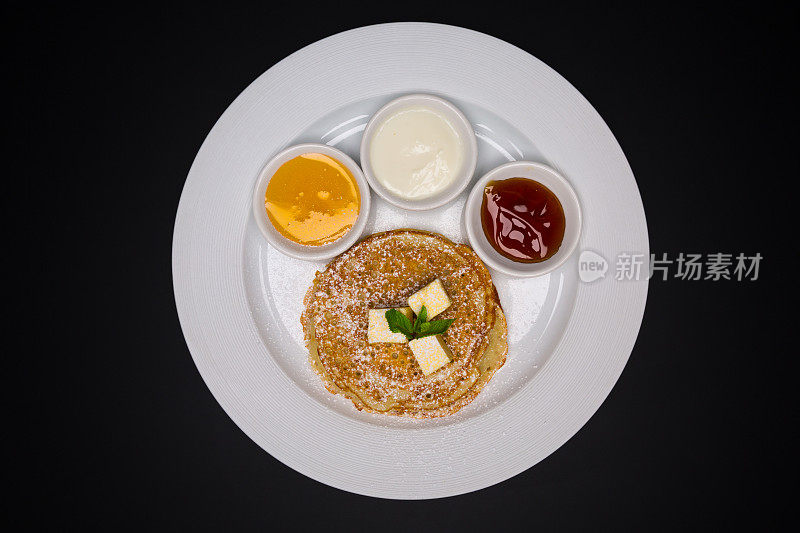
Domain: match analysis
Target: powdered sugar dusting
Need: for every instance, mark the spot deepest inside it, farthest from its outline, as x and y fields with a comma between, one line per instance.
x=383, y=271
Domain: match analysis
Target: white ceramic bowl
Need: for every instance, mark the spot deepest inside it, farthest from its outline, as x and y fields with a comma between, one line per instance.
x=550, y=179
x=456, y=118
x=302, y=251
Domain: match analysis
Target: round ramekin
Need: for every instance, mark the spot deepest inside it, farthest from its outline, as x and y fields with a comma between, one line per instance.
x=302, y=251
x=550, y=179
x=464, y=129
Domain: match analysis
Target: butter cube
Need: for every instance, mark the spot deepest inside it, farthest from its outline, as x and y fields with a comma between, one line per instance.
x=378, y=328
x=430, y=352
x=432, y=296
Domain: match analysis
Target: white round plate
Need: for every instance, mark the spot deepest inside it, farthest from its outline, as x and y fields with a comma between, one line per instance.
x=239, y=300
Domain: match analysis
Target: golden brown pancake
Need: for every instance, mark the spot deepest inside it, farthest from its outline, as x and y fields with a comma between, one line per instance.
x=382, y=271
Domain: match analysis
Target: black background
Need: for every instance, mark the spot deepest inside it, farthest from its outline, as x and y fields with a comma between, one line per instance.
x=119, y=429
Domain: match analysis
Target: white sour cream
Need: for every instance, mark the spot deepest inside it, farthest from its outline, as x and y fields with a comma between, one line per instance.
x=416, y=153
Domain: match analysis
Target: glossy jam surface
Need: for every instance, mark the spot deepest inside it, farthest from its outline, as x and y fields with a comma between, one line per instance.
x=522, y=219
x=312, y=199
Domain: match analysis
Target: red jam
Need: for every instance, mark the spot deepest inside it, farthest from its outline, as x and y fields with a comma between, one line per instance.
x=522, y=219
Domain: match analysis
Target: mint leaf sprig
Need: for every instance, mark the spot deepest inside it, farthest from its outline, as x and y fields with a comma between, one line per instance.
x=399, y=323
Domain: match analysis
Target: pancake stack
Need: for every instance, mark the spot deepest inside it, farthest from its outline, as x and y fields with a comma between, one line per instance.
x=382, y=271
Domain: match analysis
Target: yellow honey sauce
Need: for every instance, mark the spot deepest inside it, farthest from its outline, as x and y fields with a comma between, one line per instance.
x=312, y=199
